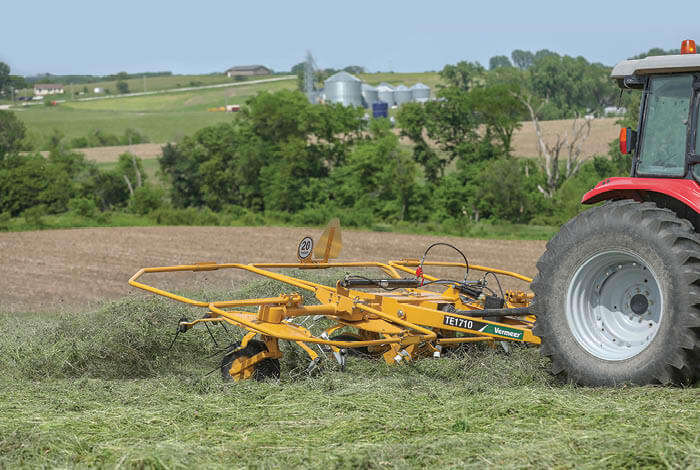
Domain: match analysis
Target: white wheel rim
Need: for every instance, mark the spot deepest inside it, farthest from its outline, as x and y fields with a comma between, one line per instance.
x=614, y=305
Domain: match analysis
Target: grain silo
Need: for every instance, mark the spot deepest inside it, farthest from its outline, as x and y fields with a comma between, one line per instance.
x=369, y=95
x=420, y=92
x=385, y=93
x=402, y=95
x=344, y=88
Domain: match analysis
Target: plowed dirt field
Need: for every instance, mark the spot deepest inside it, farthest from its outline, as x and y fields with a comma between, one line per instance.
x=58, y=270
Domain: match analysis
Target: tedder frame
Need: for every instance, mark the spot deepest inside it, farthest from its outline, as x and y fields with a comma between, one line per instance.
x=400, y=319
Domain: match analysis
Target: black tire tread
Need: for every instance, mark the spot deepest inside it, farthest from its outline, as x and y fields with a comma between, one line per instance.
x=683, y=365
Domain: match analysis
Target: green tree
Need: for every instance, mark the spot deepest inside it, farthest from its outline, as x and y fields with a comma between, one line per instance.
x=522, y=59
x=412, y=118
x=500, y=111
x=464, y=75
x=453, y=123
x=12, y=135
x=378, y=177
x=572, y=85
x=5, y=79
x=122, y=87
x=354, y=69
x=499, y=61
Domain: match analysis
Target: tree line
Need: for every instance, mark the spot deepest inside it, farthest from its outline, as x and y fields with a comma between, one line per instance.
x=448, y=163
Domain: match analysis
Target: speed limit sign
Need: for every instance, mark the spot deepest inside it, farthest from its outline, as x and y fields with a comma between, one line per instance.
x=306, y=247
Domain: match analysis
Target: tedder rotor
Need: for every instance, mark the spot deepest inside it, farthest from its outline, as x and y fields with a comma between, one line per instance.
x=398, y=318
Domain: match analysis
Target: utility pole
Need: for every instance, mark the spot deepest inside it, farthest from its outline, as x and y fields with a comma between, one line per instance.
x=72, y=93
x=144, y=82
x=12, y=92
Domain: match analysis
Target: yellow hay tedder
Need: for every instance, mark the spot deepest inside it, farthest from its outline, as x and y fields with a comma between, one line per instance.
x=399, y=316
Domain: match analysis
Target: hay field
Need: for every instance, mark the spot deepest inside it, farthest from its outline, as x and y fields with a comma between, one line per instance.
x=104, y=388
x=603, y=131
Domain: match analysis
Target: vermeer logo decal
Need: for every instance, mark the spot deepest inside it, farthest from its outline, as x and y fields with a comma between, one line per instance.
x=481, y=327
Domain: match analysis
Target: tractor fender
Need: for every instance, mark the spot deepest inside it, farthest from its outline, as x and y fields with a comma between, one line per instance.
x=642, y=189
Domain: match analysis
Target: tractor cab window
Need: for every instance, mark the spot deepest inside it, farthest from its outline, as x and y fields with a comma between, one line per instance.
x=663, y=146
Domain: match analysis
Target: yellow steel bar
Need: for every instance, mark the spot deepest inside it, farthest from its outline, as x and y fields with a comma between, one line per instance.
x=311, y=310
x=355, y=264
x=201, y=320
x=291, y=299
x=469, y=339
x=475, y=267
x=427, y=317
x=209, y=267
x=155, y=290
x=405, y=269
x=269, y=330
x=428, y=335
x=312, y=354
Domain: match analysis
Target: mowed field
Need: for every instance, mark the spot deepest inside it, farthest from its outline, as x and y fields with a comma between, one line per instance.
x=60, y=270
x=91, y=385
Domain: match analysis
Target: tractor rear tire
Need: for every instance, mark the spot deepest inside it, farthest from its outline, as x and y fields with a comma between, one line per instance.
x=265, y=369
x=617, y=297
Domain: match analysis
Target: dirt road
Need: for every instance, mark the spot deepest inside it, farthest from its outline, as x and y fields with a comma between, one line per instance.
x=57, y=270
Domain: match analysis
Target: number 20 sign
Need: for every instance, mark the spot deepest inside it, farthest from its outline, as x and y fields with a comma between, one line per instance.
x=305, y=249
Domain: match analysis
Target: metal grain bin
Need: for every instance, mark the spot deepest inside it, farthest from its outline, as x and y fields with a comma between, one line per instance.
x=402, y=95
x=370, y=95
x=385, y=93
x=344, y=88
x=421, y=93
x=380, y=109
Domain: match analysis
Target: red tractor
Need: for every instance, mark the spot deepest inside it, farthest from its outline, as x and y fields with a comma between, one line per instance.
x=617, y=296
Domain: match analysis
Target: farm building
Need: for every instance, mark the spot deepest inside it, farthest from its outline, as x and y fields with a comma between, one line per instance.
x=344, y=88
x=351, y=91
x=48, y=89
x=247, y=70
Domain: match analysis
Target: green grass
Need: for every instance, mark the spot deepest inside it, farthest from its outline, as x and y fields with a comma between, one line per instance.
x=431, y=79
x=163, y=118
x=102, y=389
x=193, y=216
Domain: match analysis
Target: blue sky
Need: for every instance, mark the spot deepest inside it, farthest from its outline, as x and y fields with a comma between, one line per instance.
x=102, y=37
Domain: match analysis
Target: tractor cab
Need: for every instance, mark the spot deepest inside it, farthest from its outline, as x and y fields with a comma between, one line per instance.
x=666, y=145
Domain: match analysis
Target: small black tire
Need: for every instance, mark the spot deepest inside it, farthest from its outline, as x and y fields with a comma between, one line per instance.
x=265, y=369
x=583, y=332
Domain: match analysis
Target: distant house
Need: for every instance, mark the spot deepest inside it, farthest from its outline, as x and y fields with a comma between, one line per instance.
x=42, y=89
x=98, y=90
x=247, y=70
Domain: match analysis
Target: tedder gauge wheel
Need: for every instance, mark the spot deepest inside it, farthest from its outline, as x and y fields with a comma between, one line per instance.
x=267, y=368
x=617, y=297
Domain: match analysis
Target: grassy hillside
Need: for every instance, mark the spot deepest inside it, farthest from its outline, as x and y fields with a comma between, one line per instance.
x=432, y=79
x=151, y=84
x=163, y=117
x=102, y=389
